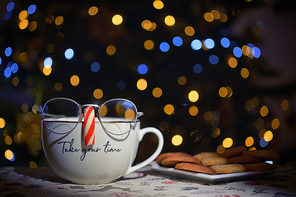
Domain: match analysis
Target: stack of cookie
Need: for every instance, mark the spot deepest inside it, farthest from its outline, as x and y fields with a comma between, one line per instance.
x=232, y=160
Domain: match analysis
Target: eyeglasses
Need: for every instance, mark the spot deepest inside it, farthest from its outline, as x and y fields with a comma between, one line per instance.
x=67, y=110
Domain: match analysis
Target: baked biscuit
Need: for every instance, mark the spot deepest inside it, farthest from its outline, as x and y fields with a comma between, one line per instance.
x=234, y=152
x=169, y=154
x=214, y=161
x=195, y=168
x=229, y=168
x=263, y=155
x=259, y=167
x=173, y=160
x=242, y=160
x=204, y=155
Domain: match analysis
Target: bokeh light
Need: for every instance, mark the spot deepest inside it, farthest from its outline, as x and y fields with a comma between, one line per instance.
x=142, y=69
x=182, y=80
x=232, y=62
x=158, y=4
x=117, y=19
x=227, y=142
x=69, y=54
x=268, y=136
x=249, y=141
x=9, y=155
x=95, y=66
x=59, y=20
x=92, y=11
x=142, y=84
x=193, y=96
x=169, y=20
x=157, y=92
x=213, y=59
x=2, y=123
x=169, y=109
x=148, y=44
x=284, y=105
x=275, y=123
x=111, y=50
x=193, y=110
x=98, y=93
x=74, y=80
x=197, y=68
x=264, y=111
x=209, y=43
x=225, y=42
x=245, y=73
x=177, y=140
x=164, y=47
x=31, y=9
x=177, y=41
x=189, y=31
x=196, y=44
x=120, y=84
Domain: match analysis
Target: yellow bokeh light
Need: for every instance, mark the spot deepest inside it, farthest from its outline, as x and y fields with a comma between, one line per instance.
x=249, y=141
x=284, y=105
x=117, y=19
x=158, y=4
x=264, y=111
x=23, y=15
x=58, y=86
x=223, y=92
x=103, y=110
x=148, y=44
x=59, y=20
x=24, y=57
x=259, y=123
x=9, y=154
x=93, y=10
x=157, y=92
x=227, y=142
x=193, y=110
x=220, y=149
x=2, y=123
x=111, y=50
x=275, y=123
x=98, y=93
x=142, y=84
x=169, y=109
x=177, y=140
x=32, y=26
x=130, y=114
x=15, y=81
x=33, y=164
x=193, y=96
x=50, y=48
x=25, y=107
x=232, y=62
x=215, y=132
x=146, y=24
x=261, y=133
x=74, y=80
x=208, y=17
x=223, y=17
x=23, y=24
x=49, y=19
x=189, y=31
x=182, y=80
x=255, y=101
x=215, y=14
x=8, y=140
x=245, y=73
x=229, y=91
x=169, y=20
x=46, y=71
x=268, y=135
x=208, y=115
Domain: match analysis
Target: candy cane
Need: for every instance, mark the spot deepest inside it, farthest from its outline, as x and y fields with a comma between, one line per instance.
x=89, y=126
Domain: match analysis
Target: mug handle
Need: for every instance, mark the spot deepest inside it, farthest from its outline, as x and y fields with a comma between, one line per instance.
x=155, y=154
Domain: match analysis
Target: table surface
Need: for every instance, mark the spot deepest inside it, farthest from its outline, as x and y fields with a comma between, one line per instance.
x=145, y=182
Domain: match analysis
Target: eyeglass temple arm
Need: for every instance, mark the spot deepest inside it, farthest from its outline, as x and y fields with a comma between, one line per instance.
x=139, y=114
x=50, y=115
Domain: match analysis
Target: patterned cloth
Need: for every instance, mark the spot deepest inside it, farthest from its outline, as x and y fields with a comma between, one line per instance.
x=145, y=182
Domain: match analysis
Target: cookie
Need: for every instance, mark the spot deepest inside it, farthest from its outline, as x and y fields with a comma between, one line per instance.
x=228, y=168
x=162, y=156
x=234, y=152
x=204, y=155
x=259, y=167
x=263, y=155
x=195, y=168
x=213, y=161
x=243, y=159
x=173, y=160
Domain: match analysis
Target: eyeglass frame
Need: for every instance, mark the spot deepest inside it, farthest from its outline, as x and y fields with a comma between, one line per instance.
x=137, y=115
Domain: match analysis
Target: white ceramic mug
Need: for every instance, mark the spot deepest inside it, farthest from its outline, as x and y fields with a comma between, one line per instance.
x=110, y=158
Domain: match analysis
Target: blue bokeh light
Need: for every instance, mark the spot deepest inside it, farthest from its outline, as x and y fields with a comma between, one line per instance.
x=120, y=84
x=197, y=68
x=47, y=62
x=14, y=68
x=7, y=16
x=164, y=47
x=213, y=59
x=263, y=143
x=10, y=6
x=95, y=67
x=142, y=69
x=69, y=54
x=0, y=60
x=196, y=44
x=177, y=41
x=256, y=52
x=225, y=42
x=7, y=72
x=209, y=43
x=237, y=52
x=8, y=51
x=31, y=9
x=225, y=32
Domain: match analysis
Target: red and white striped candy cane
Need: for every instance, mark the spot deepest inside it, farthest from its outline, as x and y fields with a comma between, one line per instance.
x=89, y=126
